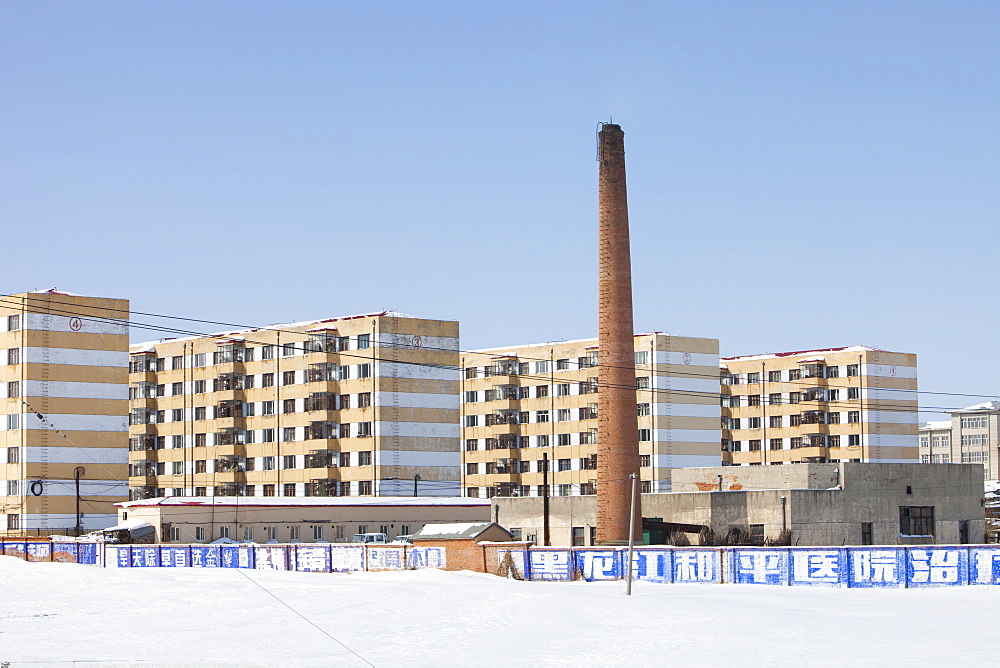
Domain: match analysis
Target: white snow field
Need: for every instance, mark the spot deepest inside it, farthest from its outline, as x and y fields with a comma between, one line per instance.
x=55, y=614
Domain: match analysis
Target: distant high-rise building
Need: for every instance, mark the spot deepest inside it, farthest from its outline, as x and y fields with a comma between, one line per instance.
x=855, y=404
x=364, y=405
x=64, y=372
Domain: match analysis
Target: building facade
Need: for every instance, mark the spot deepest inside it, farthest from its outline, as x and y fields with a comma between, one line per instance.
x=363, y=405
x=855, y=404
x=64, y=373
x=971, y=436
x=819, y=504
x=306, y=520
x=523, y=404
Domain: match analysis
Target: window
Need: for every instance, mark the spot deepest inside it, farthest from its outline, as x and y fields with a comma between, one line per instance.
x=14, y=356
x=753, y=378
x=563, y=465
x=472, y=492
x=471, y=396
x=365, y=458
x=267, y=436
x=833, y=441
x=12, y=487
x=774, y=376
x=642, y=409
x=562, y=365
x=200, y=466
x=774, y=421
x=288, y=489
x=563, y=415
x=645, y=460
x=223, y=532
x=14, y=389
x=753, y=423
x=176, y=468
x=365, y=489
x=287, y=377
x=833, y=395
x=542, y=391
x=471, y=444
x=565, y=439
x=543, y=441
x=833, y=372
x=364, y=371
x=853, y=417
x=854, y=440
x=199, y=534
x=471, y=420
x=345, y=430
x=833, y=418
x=267, y=408
x=541, y=416
x=794, y=374
x=13, y=455
x=199, y=413
x=13, y=519
x=973, y=457
x=199, y=387
x=267, y=380
x=13, y=323
x=853, y=370
x=975, y=422
x=753, y=400
x=645, y=435
x=364, y=429
x=578, y=536
x=293, y=531
x=774, y=399
x=562, y=390
x=775, y=444
x=754, y=445
x=853, y=392
x=642, y=383
x=364, y=341
x=176, y=414
x=318, y=532
x=916, y=520
x=472, y=468
x=200, y=360
x=14, y=421
x=794, y=397
x=287, y=349
x=288, y=406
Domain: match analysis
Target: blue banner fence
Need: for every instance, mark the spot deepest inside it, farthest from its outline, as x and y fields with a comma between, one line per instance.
x=865, y=567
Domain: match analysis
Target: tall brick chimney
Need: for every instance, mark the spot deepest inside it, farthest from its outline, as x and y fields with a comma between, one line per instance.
x=617, y=424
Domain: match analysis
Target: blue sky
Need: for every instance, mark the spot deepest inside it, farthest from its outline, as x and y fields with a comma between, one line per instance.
x=801, y=174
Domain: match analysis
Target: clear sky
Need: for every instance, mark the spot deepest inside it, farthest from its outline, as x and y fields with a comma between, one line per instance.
x=801, y=174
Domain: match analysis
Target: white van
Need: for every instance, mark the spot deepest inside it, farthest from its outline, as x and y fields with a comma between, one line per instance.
x=370, y=538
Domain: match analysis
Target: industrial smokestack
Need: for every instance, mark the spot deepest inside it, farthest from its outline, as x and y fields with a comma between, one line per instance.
x=617, y=425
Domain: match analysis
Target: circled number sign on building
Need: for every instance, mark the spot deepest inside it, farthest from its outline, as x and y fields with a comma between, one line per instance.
x=75, y=324
x=416, y=342
x=687, y=358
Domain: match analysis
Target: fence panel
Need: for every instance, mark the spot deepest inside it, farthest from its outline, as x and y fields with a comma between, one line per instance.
x=206, y=556
x=937, y=566
x=271, y=557
x=385, y=558
x=426, y=557
x=347, y=558
x=67, y=553
x=175, y=556
x=818, y=567
x=877, y=567
x=548, y=564
x=312, y=558
x=696, y=565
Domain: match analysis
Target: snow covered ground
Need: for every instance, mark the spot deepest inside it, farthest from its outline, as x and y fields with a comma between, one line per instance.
x=53, y=612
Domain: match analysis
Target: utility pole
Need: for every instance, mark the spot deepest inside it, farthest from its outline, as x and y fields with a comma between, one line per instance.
x=545, y=499
x=77, y=472
x=416, y=479
x=631, y=536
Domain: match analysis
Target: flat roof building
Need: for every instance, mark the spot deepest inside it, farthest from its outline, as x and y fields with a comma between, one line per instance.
x=363, y=405
x=63, y=426
x=970, y=436
x=850, y=404
x=308, y=520
x=523, y=403
x=799, y=504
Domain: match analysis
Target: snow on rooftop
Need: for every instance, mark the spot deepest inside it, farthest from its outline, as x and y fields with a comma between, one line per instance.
x=843, y=349
x=506, y=350
x=453, y=528
x=244, y=501
x=985, y=406
x=936, y=424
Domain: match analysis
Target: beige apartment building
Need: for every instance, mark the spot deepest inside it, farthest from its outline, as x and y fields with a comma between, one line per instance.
x=969, y=437
x=524, y=403
x=64, y=388
x=851, y=404
x=363, y=405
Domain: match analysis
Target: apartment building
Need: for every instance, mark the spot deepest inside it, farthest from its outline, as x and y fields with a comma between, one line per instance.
x=64, y=373
x=364, y=405
x=528, y=404
x=854, y=404
x=970, y=436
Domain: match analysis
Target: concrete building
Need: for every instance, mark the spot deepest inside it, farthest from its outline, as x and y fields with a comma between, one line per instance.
x=356, y=406
x=971, y=436
x=285, y=520
x=64, y=373
x=820, y=504
x=853, y=404
x=523, y=403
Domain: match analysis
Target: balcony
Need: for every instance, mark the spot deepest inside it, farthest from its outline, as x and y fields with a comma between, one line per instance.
x=230, y=464
x=322, y=459
x=322, y=487
x=321, y=401
x=507, y=489
x=139, y=493
x=814, y=394
x=143, y=442
x=813, y=417
x=230, y=489
x=322, y=372
x=142, y=468
x=323, y=343
x=321, y=430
